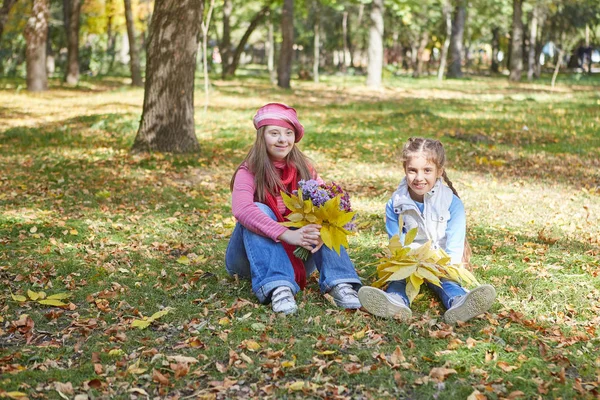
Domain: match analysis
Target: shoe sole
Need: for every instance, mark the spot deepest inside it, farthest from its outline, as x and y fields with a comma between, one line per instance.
x=377, y=303
x=478, y=301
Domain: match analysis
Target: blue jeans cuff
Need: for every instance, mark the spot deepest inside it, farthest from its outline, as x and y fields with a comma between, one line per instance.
x=263, y=293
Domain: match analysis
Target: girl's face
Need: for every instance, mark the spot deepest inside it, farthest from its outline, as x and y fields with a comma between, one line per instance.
x=421, y=175
x=279, y=141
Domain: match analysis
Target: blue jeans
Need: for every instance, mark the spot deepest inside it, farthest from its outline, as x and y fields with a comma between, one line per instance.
x=265, y=262
x=446, y=293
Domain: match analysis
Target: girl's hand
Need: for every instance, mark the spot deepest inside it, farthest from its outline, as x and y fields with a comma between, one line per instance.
x=308, y=236
x=317, y=247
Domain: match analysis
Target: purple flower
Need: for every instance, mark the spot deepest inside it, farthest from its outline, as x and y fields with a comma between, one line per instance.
x=320, y=193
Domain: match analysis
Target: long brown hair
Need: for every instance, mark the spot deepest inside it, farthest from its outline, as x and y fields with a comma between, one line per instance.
x=435, y=153
x=266, y=177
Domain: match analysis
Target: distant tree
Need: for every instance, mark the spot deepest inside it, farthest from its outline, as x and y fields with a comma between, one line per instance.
x=286, y=54
x=4, y=10
x=36, y=34
x=447, y=13
x=72, y=13
x=167, y=123
x=516, y=50
x=230, y=60
x=531, y=51
x=456, y=40
x=375, y=65
x=134, y=53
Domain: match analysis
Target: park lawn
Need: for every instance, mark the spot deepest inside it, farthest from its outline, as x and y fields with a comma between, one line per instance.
x=126, y=236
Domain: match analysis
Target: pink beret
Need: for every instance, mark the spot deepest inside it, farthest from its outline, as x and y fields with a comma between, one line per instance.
x=279, y=115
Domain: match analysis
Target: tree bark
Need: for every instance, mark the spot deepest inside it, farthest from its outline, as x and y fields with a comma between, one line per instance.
x=456, y=41
x=316, y=43
x=495, y=67
x=205, y=26
x=516, y=51
x=447, y=13
x=423, y=40
x=167, y=123
x=375, y=65
x=110, y=34
x=36, y=34
x=531, y=60
x=225, y=46
x=235, y=59
x=4, y=11
x=271, y=52
x=72, y=12
x=134, y=53
x=346, y=57
x=286, y=55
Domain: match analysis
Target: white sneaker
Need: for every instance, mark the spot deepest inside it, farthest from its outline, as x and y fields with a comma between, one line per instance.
x=470, y=305
x=382, y=304
x=345, y=296
x=282, y=300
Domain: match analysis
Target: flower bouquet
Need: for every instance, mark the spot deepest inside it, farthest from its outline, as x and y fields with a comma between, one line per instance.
x=417, y=265
x=327, y=205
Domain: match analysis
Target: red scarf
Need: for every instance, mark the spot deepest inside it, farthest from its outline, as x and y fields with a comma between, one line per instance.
x=289, y=178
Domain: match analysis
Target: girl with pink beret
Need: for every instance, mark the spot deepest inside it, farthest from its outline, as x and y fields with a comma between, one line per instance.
x=260, y=248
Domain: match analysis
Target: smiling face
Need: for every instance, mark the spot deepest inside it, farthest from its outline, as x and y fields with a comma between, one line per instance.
x=279, y=141
x=421, y=175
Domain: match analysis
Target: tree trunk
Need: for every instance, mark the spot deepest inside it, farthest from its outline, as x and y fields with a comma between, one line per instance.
x=447, y=13
x=271, y=52
x=375, y=66
x=286, y=56
x=205, y=27
x=4, y=10
x=72, y=12
x=316, y=44
x=225, y=47
x=531, y=60
x=134, y=53
x=495, y=67
x=456, y=40
x=424, y=39
x=36, y=34
x=110, y=34
x=346, y=57
x=167, y=123
x=230, y=71
x=516, y=51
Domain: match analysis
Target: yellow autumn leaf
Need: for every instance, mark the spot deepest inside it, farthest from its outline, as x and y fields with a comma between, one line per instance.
x=14, y=395
x=298, y=385
x=161, y=313
x=412, y=291
x=426, y=274
x=410, y=236
x=224, y=321
x=59, y=296
x=116, y=353
x=140, y=323
x=32, y=295
x=403, y=272
x=55, y=303
x=326, y=352
x=183, y=260
x=18, y=297
x=252, y=345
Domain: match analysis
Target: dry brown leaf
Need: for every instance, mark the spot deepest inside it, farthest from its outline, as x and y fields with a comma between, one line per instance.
x=441, y=373
x=159, y=378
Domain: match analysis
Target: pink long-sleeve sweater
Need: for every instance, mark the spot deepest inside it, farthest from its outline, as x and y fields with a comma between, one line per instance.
x=247, y=213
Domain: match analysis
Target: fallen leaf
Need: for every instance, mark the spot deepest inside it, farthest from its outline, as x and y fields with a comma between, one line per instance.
x=54, y=303
x=441, y=373
x=19, y=298
x=159, y=378
x=506, y=367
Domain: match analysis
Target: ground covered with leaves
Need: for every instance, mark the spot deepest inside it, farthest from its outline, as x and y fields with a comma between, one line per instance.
x=112, y=265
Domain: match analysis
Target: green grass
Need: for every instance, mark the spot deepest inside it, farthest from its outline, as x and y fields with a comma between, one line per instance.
x=80, y=215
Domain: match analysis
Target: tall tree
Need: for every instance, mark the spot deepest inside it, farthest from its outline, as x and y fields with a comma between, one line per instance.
x=316, y=42
x=447, y=13
x=516, y=50
x=286, y=54
x=36, y=34
x=4, y=10
x=134, y=53
x=167, y=123
x=375, y=65
x=231, y=61
x=456, y=40
x=533, y=33
x=72, y=12
x=495, y=67
x=225, y=46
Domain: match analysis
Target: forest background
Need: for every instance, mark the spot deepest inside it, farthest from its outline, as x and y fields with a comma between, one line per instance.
x=122, y=122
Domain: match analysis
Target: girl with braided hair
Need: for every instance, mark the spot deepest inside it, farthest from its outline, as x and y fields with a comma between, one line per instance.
x=424, y=202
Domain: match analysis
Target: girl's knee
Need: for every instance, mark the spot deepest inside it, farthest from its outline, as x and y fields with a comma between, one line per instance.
x=267, y=210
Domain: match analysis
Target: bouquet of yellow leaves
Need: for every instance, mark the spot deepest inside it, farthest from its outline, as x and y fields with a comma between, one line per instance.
x=325, y=205
x=418, y=265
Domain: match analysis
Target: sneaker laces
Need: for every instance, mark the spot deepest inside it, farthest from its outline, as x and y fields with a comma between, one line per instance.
x=282, y=294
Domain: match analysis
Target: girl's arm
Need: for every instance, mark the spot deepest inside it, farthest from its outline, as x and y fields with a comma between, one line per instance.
x=247, y=213
x=456, y=230
x=391, y=222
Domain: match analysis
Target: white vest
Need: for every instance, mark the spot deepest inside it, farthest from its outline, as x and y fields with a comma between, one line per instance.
x=433, y=221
